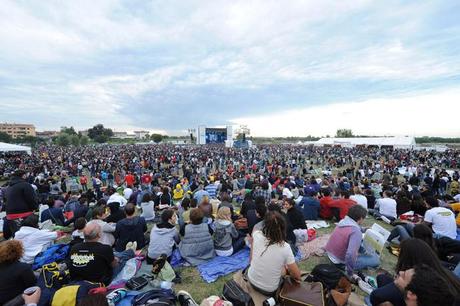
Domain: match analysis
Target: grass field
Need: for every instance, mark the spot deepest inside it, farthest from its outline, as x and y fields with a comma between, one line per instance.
x=194, y=284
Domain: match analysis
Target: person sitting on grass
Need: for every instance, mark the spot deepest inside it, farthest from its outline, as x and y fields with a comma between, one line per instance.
x=163, y=237
x=77, y=234
x=256, y=216
x=34, y=239
x=130, y=229
x=340, y=207
x=424, y=286
x=414, y=252
x=294, y=215
x=344, y=245
x=96, y=262
x=107, y=229
x=147, y=206
x=226, y=237
x=15, y=276
x=197, y=245
x=271, y=256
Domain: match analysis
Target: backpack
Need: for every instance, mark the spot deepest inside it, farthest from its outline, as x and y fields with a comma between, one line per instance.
x=50, y=280
x=329, y=275
x=155, y=297
x=233, y=293
x=71, y=294
x=54, y=253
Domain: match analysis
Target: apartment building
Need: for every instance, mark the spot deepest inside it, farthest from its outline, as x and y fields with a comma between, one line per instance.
x=17, y=130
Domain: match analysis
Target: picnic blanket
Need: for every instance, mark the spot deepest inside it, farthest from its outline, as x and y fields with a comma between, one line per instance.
x=313, y=247
x=219, y=266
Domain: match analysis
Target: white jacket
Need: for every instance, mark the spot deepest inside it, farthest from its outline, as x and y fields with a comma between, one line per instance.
x=34, y=241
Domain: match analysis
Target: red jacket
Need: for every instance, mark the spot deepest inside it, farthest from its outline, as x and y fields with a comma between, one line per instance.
x=343, y=205
x=324, y=209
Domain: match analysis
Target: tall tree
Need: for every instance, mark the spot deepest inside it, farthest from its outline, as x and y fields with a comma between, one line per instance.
x=4, y=137
x=99, y=134
x=69, y=131
x=157, y=138
x=344, y=133
x=63, y=140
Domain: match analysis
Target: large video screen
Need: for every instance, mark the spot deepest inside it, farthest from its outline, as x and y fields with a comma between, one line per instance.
x=216, y=135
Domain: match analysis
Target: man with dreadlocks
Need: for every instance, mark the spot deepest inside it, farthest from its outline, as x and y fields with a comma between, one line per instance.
x=271, y=256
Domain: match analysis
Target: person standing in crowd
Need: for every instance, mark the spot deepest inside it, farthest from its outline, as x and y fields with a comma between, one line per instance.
x=21, y=202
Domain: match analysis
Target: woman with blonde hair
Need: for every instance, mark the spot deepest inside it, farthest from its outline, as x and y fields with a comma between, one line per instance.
x=15, y=276
x=226, y=240
x=359, y=197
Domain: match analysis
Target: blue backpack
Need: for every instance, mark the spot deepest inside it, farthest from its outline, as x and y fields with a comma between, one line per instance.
x=54, y=253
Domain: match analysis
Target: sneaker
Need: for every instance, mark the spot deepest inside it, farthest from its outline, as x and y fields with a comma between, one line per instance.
x=365, y=287
x=116, y=296
x=129, y=245
x=185, y=299
x=134, y=246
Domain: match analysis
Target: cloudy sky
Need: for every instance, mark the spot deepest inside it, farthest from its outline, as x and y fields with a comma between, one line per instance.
x=284, y=68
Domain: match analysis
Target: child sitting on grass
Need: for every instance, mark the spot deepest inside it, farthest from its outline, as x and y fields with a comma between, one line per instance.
x=226, y=240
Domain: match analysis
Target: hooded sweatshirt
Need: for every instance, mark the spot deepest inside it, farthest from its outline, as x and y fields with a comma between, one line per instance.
x=162, y=240
x=223, y=234
x=344, y=243
x=130, y=229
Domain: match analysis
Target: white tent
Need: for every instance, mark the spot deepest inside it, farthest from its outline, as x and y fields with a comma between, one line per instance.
x=396, y=142
x=8, y=147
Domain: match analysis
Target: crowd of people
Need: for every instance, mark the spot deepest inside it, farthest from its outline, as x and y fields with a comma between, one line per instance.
x=207, y=201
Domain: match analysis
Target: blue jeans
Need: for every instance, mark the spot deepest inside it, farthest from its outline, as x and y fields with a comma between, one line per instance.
x=403, y=231
x=457, y=271
x=123, y=257
x=367, y=260
x=386, y=292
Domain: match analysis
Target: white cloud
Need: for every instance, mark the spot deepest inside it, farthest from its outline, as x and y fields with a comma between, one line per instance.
x=102, y=58
x=430, y=114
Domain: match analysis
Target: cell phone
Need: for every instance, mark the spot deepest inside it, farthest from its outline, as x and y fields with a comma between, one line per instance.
x=30, y=290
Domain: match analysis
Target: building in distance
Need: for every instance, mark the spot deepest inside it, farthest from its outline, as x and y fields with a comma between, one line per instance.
x=18, y=130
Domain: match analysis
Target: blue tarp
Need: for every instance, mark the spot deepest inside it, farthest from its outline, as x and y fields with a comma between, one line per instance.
x=219, y=266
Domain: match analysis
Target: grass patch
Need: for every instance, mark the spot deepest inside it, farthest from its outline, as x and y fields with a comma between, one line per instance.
x=199, y=289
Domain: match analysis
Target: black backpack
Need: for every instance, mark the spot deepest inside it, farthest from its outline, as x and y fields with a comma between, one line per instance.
x=233, y=293
x=155, y=297
x=328, y=275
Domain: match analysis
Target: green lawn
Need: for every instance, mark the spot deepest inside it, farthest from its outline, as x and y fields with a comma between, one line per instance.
x=194, y=284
